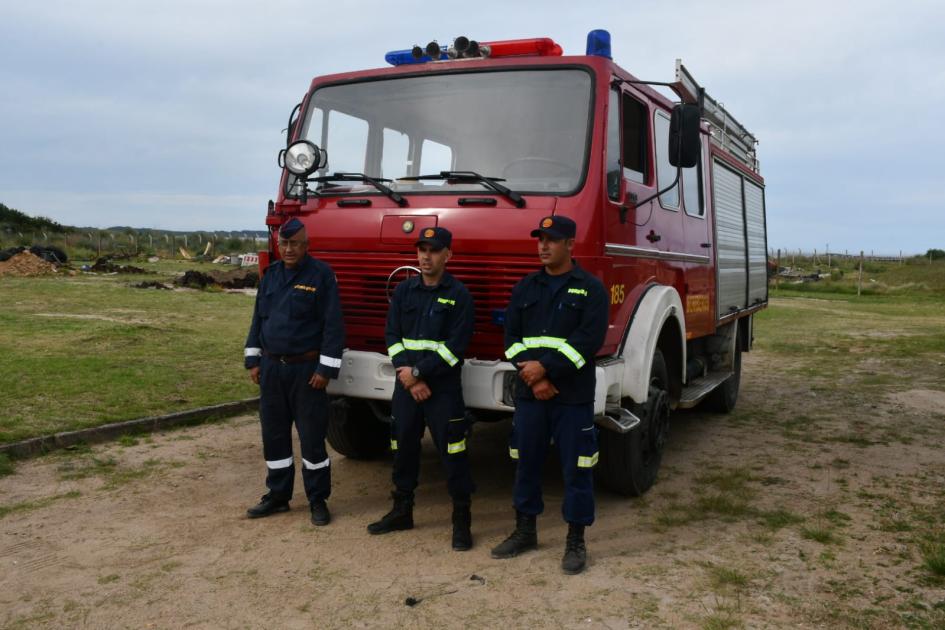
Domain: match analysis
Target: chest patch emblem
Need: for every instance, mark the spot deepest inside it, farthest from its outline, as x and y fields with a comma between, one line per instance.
x=304, y=287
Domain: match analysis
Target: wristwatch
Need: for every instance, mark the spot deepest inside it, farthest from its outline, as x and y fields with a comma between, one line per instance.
x=415, y=372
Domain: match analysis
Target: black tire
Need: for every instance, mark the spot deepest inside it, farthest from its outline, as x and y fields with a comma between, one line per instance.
x=723, y=398
x=354, y=431
x=629, y=461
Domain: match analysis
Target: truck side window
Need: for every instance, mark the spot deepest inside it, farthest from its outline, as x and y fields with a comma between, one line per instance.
x=690, y=182
x=395, y=154
x=665, y=172
x=634, y=139
x=613, y=146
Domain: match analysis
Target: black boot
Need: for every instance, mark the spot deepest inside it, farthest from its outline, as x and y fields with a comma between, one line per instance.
x=524, y=538
x=269, y=504
x=462, y=519
x=400, y=517
x=575, y=552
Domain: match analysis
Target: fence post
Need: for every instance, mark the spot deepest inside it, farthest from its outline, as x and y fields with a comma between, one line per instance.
x=777, y=271
x=859, y=281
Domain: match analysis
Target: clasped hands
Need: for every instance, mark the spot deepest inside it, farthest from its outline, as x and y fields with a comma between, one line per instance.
x=417, y=388
x=533, y=373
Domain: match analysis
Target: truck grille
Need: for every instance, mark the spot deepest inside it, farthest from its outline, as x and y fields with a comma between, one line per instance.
x=362, y=279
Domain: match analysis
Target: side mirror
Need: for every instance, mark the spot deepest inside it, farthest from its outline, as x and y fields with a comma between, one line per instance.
x=684, y=135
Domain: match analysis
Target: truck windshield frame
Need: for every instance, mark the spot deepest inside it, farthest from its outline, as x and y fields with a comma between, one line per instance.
x=530, y=126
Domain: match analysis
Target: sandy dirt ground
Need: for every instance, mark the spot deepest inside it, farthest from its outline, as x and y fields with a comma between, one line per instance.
x=761, y=519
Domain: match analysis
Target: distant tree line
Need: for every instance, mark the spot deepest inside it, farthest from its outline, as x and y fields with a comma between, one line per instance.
x=16, y=220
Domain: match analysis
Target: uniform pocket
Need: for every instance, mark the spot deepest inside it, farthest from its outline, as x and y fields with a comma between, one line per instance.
x=302, y=304
x=457, y=429
x=568, y=316
x=587, y=451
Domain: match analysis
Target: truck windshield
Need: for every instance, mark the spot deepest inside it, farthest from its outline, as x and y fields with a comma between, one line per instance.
x=528, y=128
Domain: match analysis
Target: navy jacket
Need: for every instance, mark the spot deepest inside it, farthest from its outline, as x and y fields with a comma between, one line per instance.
x=562, y=329
x=430, y=327
x=297, y=311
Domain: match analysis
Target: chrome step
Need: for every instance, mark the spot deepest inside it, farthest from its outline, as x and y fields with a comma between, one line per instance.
x=618, y=419
x=695, y=391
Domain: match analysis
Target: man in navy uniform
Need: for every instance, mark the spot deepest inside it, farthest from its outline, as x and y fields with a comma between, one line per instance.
x=293, y=349
x=429, y=325
x=554, y=326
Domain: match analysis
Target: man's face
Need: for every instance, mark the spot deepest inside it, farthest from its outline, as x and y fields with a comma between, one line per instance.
x=554, y=252
x=293, y=248
x=431, y=261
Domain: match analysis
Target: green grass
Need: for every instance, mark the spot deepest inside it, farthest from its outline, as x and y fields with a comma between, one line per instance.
x=83, y=351
x=933, y=557
x=6, y=465
x=823, y=535
x=25, y=506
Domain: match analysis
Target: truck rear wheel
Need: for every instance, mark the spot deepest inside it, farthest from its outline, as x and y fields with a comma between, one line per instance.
x=723, y=398
x=354, y=431
x=630, y=461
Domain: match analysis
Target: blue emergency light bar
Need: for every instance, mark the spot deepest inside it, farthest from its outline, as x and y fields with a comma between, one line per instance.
x=403, y=57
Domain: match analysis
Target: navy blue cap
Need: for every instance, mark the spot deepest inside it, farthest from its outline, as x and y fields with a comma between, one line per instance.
x=290, y=227
x=557, y=227
x=439, y=237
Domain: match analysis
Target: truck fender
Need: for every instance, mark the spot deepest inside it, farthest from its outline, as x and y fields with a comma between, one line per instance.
x=656, y=307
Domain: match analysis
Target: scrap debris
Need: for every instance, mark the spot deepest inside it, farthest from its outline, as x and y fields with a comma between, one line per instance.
x=235, y=279
x=105, y=265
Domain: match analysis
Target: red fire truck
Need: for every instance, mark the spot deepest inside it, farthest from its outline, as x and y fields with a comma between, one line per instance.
x=486, y=138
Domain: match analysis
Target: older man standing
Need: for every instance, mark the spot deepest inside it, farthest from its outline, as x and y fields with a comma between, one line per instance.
x=294, y=347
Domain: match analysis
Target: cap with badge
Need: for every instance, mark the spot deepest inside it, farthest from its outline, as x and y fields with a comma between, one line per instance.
x=557, y=227
x=290, y=227
x=438, y=237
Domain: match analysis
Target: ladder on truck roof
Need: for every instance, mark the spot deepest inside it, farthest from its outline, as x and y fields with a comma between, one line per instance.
x=727, y=132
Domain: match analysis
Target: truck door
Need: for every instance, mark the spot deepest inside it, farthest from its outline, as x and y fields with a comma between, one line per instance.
x=698, y=245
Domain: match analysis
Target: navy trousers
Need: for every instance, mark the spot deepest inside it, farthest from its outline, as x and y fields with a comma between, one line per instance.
x=285, y=396
x=444, y=413
x=535, y=425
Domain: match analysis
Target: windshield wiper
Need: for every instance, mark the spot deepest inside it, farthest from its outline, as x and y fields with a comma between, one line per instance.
x=472, y=176
x=361, y=177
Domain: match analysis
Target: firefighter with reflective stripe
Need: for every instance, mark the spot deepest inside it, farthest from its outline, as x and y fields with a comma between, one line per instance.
x=554, y=326
x=294, y=347
x=429, y=325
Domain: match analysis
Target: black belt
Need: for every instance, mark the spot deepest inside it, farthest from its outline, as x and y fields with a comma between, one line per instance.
x=311, y=355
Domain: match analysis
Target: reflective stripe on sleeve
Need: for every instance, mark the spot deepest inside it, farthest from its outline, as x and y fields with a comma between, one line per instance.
x=279, y=463
x=555, y=343
x=446, y=355
x=587, y=462
x=310, y=466
x=252, y=352
x=428, y=344
x=514, y=349
x=513, y=453
x=331, y=362
x=456, y=447
x=393, y=445
x=395, y=349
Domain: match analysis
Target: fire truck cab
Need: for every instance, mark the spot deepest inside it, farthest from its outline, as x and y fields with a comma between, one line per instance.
x=485, y=138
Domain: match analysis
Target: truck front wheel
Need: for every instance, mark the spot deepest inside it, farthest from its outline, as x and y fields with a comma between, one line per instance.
x=630, y=461
x=354, y=431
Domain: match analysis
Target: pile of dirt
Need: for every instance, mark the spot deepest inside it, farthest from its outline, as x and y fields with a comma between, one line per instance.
x=235, y=279
x=105, y=265
x=26, y=264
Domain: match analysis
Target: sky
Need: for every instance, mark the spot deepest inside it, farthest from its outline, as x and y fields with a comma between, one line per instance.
x=170, y=114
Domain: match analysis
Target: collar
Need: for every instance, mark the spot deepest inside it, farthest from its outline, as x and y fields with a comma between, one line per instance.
x=446, y=281
x=576, y=272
